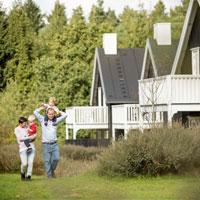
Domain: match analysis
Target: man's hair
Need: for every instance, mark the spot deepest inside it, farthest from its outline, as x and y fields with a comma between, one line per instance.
x=22, y=120
x=52, y=99
x=50, y=109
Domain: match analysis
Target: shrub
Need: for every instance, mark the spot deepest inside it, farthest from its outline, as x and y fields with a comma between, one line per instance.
x=159, y=151
x=74, y=159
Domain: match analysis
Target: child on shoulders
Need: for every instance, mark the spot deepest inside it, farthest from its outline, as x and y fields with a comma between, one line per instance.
x=51, y=104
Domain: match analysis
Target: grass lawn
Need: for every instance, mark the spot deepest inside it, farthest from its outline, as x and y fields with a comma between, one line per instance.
x=91, y=186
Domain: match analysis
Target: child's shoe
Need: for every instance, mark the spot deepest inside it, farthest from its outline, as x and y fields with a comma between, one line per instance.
x=29, y=149
x=45, y=123
x=54, y=124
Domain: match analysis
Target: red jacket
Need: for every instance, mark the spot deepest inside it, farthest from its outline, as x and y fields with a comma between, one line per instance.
x=33, y=128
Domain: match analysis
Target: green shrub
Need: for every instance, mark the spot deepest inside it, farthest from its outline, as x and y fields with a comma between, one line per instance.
x=159, y=151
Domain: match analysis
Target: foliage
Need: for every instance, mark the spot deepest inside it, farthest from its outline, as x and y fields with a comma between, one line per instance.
x=159, y=151
x=12, y=107
x=57, y=19
x=3, y=50
x=21, y=50
x=34, y=14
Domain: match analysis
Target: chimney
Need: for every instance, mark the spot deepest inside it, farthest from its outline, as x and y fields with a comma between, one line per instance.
x=110, y=43
x=162, y=33
x=195, y=61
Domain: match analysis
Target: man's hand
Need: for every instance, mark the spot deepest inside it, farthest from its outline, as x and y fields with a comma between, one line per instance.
x=59, y=112
x=41, y=108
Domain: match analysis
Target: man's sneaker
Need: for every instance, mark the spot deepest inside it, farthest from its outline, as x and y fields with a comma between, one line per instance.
x=29, y=149
x=28, y=178
x=23, y=176
x=45, y=123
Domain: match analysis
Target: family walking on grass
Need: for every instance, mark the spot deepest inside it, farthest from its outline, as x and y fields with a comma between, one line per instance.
x=27, y=134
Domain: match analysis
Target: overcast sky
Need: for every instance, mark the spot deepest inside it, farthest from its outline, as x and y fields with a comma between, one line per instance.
x=47, y=6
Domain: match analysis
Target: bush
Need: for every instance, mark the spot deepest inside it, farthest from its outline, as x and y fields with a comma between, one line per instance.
x=74, y=159
x=12, y=106
x=159, y=151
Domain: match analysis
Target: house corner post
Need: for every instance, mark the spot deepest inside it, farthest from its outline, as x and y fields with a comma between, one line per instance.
x=110, y=121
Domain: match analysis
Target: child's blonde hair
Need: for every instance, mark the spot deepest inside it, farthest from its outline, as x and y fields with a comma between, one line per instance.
x=31, y=118
x=52, y=99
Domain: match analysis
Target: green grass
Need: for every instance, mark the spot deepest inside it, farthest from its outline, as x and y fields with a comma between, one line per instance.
x=91, y=186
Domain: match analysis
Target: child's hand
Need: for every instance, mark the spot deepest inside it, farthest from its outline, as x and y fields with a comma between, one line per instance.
x=43, y=106
x=58, y=112
x=31, y=137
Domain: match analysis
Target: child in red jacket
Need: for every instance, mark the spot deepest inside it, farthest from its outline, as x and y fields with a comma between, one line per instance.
x=32, y=129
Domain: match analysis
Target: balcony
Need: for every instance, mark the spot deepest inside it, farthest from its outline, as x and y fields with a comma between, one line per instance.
x=95, y=117
x=168, y=90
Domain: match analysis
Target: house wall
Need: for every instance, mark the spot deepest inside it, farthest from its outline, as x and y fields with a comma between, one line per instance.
x=194, y=41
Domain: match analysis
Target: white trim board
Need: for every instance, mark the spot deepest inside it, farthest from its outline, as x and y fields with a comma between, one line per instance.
x=148, y=49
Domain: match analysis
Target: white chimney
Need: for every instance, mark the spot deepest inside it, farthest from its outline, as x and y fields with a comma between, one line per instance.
x=110, y=43
x=195, y=61
x=162, y=33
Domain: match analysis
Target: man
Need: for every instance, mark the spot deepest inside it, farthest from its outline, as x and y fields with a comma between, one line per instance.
x=49, y=140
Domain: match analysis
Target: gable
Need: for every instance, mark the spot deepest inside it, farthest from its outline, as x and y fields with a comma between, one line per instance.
x=194, y=41
x=118, y=74
x=158, y=59
x=189, y=39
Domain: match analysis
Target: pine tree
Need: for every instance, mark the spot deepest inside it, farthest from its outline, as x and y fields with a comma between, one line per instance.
x=97, y=14
x=158, y=15
x=133, y=28
x=111, y=18
x=34, y=14
x=3, y=49
x=20, y=44
x=177, y=16
x=57, y=19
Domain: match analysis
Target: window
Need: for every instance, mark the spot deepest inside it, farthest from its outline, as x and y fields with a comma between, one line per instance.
x=195, y=61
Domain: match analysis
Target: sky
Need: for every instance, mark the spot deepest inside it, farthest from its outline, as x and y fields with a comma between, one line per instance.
x=47, y=6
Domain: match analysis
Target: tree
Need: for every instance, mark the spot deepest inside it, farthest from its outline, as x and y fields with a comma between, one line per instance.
x=57, y=19
x=133, y=28
x=177, y=16
x=158, y=15
x=20, y=45
x=3, y=50
x=111, y=18
x=141, y=28
x=97, y=14
x=34, y=14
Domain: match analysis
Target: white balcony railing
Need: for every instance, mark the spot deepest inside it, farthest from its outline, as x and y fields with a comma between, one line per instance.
x=121, y=114
x=87, y=115
x=176, y=89
x=126, y=113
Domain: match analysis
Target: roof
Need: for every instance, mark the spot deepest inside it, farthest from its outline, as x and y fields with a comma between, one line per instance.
x=163, y=56
x=119, y=75
x=185, y=35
